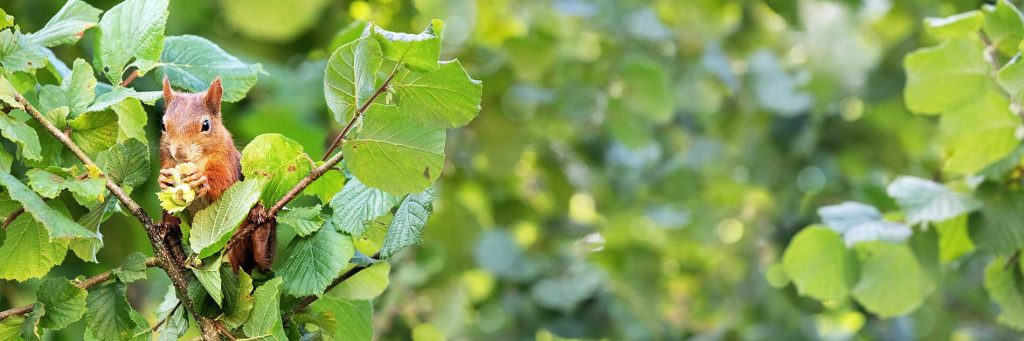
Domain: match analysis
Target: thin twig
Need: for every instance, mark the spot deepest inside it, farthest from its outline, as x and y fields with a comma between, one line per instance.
x=362, y=109
x=84, y=284
x=131, y=77
x=14, y=215
x=163, y=320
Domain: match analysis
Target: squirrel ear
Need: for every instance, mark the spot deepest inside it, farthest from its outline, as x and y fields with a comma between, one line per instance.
x=168, y=92
x=213, y=95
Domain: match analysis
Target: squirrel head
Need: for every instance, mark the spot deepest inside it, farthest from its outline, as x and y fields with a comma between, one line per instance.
x=191, y=126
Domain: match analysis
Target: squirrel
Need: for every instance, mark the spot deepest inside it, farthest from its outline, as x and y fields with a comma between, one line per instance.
x=192, y=131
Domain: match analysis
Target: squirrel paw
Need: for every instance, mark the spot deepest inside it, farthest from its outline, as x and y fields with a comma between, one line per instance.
x=166, y=178
x=199, y=182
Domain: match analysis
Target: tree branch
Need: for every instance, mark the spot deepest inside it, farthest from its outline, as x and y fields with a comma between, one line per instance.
x=84, y=284
x=359, y=113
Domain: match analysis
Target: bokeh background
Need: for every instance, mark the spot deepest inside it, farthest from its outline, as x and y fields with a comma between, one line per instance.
x=635, y=172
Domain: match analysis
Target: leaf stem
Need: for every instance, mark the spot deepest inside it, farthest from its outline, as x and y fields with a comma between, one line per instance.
x=84, y=284
x=131, y=77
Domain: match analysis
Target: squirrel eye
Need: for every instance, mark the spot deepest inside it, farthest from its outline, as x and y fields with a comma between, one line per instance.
x=206, y=125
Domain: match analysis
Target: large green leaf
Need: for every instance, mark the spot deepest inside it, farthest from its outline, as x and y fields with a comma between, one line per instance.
x=209, y=277
x=86, y=249
x=892, y=282
x=395, y=154
x=133, y=268
x=417, y=51
x=350, y=77
x=75, y=92
x=930, y=70
x=131, y=120
x=27, y=251
x=238, y=306
x=118, y=94
x=94, y=131
x=978, y=134
x=957, y=25
x=309, y=264
x=1004, y=26
x=445, y=97
x=304, y=220
x=109, y=314
x=997, y=228
x=326, y=186
x=406, y=227
x=175, y=324
x=57, y=224
x=192, y=62
x=1005, y=289
x=213, y=225
x=126, y=163
x=357, y=205
x=68, y=25
x=277, y=159
x=347, y=319
x=265, y=320
x=924, y=200
x=14, y=128
x=820, y=265
x=132, y=31
x=65, y=302
x=18, y=52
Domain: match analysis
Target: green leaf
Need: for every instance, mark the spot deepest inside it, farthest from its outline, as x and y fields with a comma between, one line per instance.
x=394, y=153
x=1004, y=26
x=309, y=264
x=238, y=308
x=65, y=303
x=75, y=92
x=5, y=19
x=371, y=240
x=265, y=319
x=57, y=224
x=18, y=52
x=86, y=249
x=978, y=134
x=446, y=97
x=346, y=319
x=997, y=228
x=14, y=128
x=357, y=205
x=365, y=285
x=175, y=324
x=957, y=25
x=279, y=160
x=418, y=52
x=30, y=329
x=130, y=31
x=27, y=251
x=213, y=225
x=94, y=131
x=858, y=222
x=6, y=161
x=646, y=89
x=109, y=314
x=1005, y=289
x=118, y=94
x=406, y=227
x=929, y=70
x=892, y=282
x=10, y=328
x=133, y=269
x=820, y=265
x=47, y=184
x=954, y=239
x=326, y=186
x=192, y=62
x=126, y=163
x=131, y=120
x=68, y=25
x=924, y=200
x=1011, y=78
x=209, y=277
x=304, y=220
x=350, y=77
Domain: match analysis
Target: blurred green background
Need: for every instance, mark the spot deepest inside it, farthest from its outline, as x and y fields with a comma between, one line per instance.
x=635, y=172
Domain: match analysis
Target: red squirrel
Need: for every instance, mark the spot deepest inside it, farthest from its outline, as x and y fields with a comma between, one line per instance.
x=192, y=131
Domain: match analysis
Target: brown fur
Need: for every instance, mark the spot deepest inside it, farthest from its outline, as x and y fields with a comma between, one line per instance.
x=215, y=154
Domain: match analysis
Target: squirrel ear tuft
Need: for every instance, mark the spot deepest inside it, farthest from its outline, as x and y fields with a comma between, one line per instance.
x=213, y=95
x=168, y=92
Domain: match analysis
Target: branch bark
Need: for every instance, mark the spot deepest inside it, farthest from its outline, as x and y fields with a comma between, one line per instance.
x=179, y=276
x=84, y=284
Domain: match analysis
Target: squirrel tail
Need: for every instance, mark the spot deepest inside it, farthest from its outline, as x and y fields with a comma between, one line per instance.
x=259, y=248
